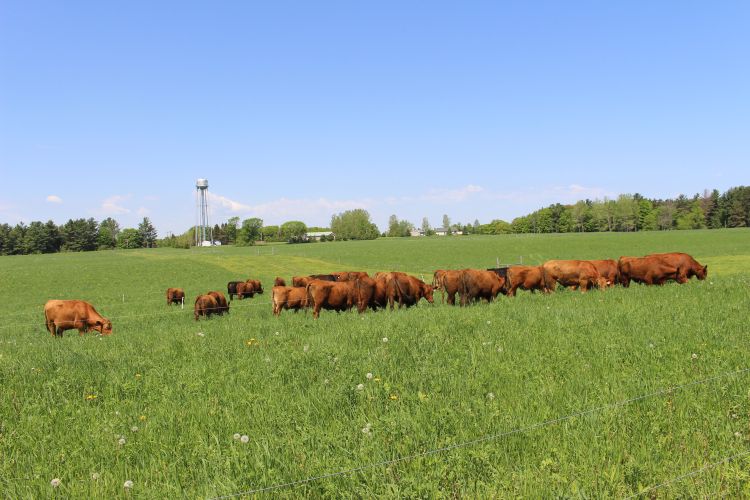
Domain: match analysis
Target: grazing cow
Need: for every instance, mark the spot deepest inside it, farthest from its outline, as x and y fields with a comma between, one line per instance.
x=448, y=282
x=331, y=296
x=476, y=284
x=525, y=278
x=279, y=281
x=686, y=265
x=248, y=289
x=288, y=297
x=365, y=293
x=205, y=305
x=608, y=269
x=232, y=288
x=221, y=302
x=406, y=290
x=650, y=270
x=175, y=296
x=305, y=280
x=572, y=273
x=61, y=315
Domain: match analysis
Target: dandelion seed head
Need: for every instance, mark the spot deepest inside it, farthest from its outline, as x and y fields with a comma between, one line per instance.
x=306, y=348
x=55, y=482
x=694, y=356
x=244, y=439
x=134, y=428
x=490, y=396
x=385, y=339
x=121, y=441
x=369, y=376
x=127, y=484
x=236, y=436
x=360, y=387
x=95, y=476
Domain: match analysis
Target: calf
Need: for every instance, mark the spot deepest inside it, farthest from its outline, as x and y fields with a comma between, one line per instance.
x=175, y=296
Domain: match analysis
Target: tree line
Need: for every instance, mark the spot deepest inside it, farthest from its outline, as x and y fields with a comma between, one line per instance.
x=76, y=235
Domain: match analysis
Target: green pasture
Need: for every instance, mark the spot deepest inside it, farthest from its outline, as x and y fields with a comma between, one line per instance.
x=566, y=395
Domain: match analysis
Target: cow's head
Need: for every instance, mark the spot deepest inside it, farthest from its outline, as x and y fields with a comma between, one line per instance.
x=702, y=272
x=260, y=288
x=103, y=326
x=427, y=292
x=602, y=282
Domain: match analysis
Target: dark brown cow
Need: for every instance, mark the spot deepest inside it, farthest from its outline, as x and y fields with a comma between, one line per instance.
x=175, y=296
x=248, y=289
x=380, y=297
x=686, y=265
x=279, y=281
x=332, y=296
x=608, y=269
x=525, y=278
x=205, y=305
x=648, y=270
x=406, y=290
x=61, y=315
x=572, y=273
x=232, y=288
x=221, y=301
x=476, y=284
x=288, y=297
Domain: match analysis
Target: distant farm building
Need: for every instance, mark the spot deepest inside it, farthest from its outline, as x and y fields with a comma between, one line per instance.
x=318, y=235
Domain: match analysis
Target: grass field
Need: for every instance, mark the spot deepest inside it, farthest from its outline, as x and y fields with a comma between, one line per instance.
x=542, y=393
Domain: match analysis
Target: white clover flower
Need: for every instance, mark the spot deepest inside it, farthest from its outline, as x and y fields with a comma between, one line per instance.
x=360, y=387
x=369, y=376
x=127, y=484
x=489, y=322
x=134, y=428
x=490, y=396
x=245, y=438
x=694, y=356
x=95, y=476
x=385, y=339
x=201, y=334
x=325, y=381
x=275, y=333
x=651, y=346
x=236, y=436
x=121, y=441
x=55, y=482
x=306, y=348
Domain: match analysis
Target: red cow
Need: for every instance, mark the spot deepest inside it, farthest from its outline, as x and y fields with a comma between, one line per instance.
x=61, y=315
x=525, y=278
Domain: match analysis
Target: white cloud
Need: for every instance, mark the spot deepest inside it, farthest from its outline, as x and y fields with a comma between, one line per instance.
x=143, y=211
x=54, y=199
x=228, y=205
x=113, y=205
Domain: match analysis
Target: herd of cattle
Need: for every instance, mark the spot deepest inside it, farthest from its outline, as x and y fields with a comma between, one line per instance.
x=342, y=291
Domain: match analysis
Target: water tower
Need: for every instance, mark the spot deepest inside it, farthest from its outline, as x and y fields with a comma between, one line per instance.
x=203, y=230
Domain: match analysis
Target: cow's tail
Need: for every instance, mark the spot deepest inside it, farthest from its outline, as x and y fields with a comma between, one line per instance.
x=463, y=288
x=443, y=282
x=400, y=291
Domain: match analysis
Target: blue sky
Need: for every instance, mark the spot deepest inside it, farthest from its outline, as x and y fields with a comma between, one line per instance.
x=298, y=110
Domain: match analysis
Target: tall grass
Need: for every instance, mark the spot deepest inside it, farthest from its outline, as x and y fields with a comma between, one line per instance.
x=445, y=376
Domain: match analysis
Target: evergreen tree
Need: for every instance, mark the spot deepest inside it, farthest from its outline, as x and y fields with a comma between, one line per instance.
x=147, y=233
x=80, y=235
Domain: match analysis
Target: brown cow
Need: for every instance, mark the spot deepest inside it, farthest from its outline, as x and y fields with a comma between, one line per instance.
x=350, y=275
x=205, y=305
x=232, y=288
x=305, y=280
x=379, y=297
x=686, y=265
x=406, y=290
x=608, y=269
x=448, y=282
x=330, y=295
x=649, y=270
x=279, y=281
x=221, y=302
x=476, y=284
x=175, y=296
x=248, y=289
x=525, y=278
x=61, y=315
x=288, y=297
x=572, y=273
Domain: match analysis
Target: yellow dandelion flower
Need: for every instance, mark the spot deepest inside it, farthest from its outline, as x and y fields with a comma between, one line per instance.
x=422, y=396
x=393, y=397
x=137, y=375
x=251, y=342
x=89, y=397
x=142, y=418
x=377, y=379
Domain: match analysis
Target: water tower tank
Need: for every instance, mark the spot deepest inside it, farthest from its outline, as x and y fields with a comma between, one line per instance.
x=201, y=184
